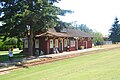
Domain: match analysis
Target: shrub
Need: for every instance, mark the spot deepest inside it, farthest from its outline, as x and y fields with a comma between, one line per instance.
x=1, y=43
x=21, y=47
x=6, y=47
x=11, y=41
x=81, y=47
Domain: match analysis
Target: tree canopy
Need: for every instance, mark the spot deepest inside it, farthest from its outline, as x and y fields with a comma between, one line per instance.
x=98, y=37
x=115, y=31
x=83, y=27
x=34, y=15
x=38, y=14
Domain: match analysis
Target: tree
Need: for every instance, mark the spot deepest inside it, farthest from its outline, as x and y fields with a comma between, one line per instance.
x=83, y=27
x=98, y=37
x=36, y=14
x=62, y=25
x=115, y=31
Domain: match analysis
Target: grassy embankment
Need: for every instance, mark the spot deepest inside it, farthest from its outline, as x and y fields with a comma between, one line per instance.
x=102, y=66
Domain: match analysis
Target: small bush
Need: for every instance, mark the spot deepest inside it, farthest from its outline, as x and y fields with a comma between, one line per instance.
x=1, y=43
x=21, y=47
x=81, y=47
x=11, y=41
x=6, y=47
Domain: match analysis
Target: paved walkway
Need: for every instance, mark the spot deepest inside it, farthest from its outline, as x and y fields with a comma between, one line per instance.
x=50, y=55
x=71, y=52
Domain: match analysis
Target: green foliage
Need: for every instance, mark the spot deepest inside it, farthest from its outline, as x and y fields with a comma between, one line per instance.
x=20, y=47
x=64, y=24
x=10, y=42
x=1, y=43
x=98, y=37
x=115, y=32
x=38, y=14
x=18, y=14
x=61, y=25
x=84, y=28
x=6, y=47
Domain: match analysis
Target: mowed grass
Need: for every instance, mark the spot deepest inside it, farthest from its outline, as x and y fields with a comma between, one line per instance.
x=102, y=66
x=6, y=52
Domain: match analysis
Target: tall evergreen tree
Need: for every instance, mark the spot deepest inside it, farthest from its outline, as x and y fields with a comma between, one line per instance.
x=17, y=14
x=36, y=15
x=115, y=31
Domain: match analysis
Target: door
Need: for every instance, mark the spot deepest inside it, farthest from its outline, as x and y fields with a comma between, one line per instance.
x=37, y=47
x=61, y=45
x=36, y=43
x=85, y=44
x=76, y=44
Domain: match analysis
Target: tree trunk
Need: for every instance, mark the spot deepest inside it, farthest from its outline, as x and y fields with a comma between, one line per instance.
x=30, y=45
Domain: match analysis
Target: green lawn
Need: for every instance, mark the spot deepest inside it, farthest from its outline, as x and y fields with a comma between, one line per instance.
x=4, y=55
x=6, y=52
x=102, y=66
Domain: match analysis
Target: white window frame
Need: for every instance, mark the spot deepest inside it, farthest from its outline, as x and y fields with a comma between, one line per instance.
x=36, y=43
x=62, y=43
x=72, y=43
x=56, y=43
x=26, y=43
x=68, y=42
x=51, y=43
x=65, y=42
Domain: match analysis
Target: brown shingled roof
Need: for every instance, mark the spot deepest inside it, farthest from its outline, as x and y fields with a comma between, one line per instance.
x=78, y=33
x=52, y=32
x=69, y=33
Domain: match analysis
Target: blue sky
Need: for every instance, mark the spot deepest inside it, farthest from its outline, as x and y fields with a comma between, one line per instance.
x=96, y=14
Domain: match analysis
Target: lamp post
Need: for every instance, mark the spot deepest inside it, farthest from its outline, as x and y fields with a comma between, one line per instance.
x=28, y=29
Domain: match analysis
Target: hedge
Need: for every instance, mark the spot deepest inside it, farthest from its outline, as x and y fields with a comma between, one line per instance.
x=6, y=47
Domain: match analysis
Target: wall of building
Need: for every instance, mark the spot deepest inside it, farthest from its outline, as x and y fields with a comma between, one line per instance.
x=85, y=42
x=44, y=44
x=89, y=42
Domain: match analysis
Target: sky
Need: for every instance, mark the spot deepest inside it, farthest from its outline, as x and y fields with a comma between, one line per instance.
x=98, y=15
